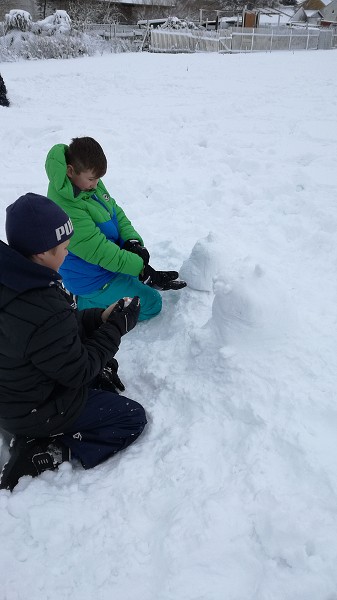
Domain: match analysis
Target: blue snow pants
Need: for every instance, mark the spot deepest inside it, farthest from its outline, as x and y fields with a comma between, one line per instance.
x=119, y=287
x=108, y=423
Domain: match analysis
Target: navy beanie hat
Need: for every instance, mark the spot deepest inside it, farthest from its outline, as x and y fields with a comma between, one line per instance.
x=36, y=224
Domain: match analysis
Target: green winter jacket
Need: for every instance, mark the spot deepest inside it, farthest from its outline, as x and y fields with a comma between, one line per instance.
x=94, y=215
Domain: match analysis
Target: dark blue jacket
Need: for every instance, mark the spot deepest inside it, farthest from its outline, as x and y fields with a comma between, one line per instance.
x=49, y=352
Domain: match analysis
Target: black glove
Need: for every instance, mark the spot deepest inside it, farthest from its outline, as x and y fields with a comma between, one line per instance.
x=161, y=280
x=136, y=247
x=108, y=379
x=125, y=317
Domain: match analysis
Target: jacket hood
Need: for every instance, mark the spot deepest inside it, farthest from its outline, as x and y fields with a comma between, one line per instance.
x=19, y=274
x=56, y=169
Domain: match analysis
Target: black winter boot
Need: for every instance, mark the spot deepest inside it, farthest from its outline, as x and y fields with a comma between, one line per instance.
x=32, y=456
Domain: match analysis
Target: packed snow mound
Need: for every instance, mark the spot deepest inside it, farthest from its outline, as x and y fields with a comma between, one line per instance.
x=248, y=305
x=248, y=310
x=202, y=266
x=233, y=306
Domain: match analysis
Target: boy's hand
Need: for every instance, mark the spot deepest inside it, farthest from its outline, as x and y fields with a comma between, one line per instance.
x=107, y=311
x=125, y=314
x=108, y=378
x=161, y=280
x=136, y=247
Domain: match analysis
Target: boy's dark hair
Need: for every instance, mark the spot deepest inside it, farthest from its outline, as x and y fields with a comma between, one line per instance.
x=85, y=154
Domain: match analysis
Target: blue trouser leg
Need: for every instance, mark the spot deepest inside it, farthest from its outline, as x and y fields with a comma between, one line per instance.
x=108, y=423
x=120, y=286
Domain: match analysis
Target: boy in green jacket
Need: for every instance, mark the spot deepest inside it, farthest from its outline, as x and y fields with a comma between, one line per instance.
x=107, y=259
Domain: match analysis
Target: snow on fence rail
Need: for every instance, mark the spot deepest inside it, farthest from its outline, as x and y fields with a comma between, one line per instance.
x=263, y=39
x=183, y=41
x=243, y=40
x=113, y=30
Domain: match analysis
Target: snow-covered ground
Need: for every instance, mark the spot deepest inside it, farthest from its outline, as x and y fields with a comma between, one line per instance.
x=227, y=167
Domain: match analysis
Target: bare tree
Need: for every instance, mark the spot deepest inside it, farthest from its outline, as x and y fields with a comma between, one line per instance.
x=81, y=13
x=152, y=11
x=111, y=13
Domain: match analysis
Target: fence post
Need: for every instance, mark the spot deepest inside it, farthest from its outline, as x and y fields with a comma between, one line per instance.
x=271, y=40
x=291, y=33
x=307, y=46
x=252, y=42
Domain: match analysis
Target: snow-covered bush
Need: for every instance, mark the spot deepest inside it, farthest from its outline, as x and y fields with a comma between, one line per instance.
x=18, y=20
x=30, y=46
x=58, y=22
x=52, y=37
x=175, y=23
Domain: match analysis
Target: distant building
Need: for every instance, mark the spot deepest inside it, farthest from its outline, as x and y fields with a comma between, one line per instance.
x=305, y=16
x=314, y=4
x=316, y=12
x=330, y=12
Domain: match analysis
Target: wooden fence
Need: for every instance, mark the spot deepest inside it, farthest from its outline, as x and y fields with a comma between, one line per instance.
x=262, y=39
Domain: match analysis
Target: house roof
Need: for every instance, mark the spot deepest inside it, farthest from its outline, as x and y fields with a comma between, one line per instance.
x=314, y=4
x=330, y=9
x=312, y=13
x=302, y=14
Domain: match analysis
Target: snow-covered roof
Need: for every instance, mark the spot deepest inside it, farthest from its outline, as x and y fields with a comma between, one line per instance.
x=229, y=19
x=314, y=4
x=273, y=19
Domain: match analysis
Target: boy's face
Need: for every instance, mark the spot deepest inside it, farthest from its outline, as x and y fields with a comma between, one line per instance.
x=85, y=181
x=52, y=258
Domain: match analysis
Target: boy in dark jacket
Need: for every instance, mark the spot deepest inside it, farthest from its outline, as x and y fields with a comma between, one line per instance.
x=107, y=258
x=3, y=93
x=54, y=360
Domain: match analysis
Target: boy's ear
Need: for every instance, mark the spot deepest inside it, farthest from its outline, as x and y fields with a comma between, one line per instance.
x=70, y=171
x=39, y=258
